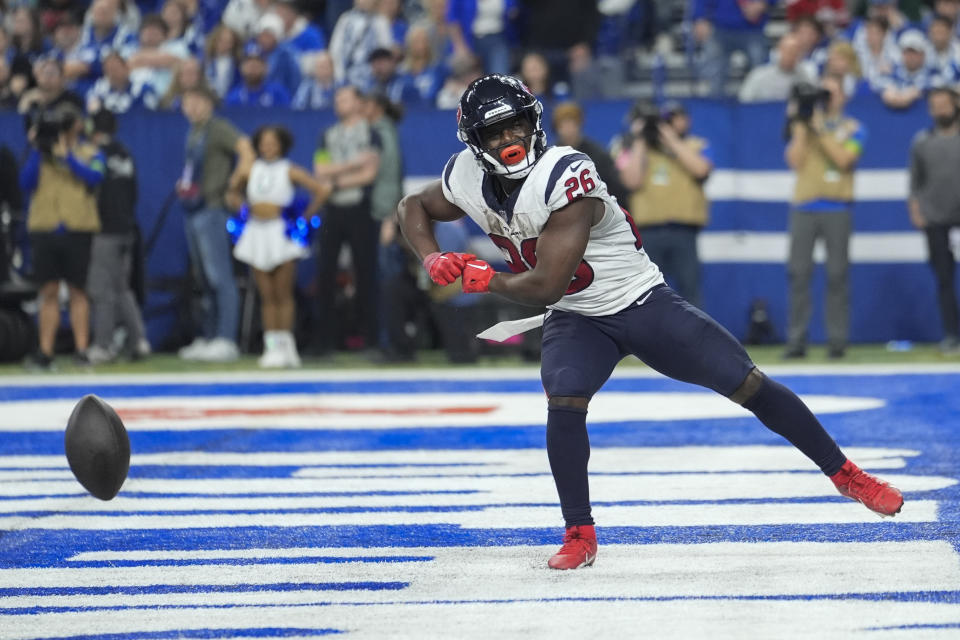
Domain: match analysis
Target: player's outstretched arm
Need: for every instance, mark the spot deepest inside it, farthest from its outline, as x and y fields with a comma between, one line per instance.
x=560, y=249
x=417, y=212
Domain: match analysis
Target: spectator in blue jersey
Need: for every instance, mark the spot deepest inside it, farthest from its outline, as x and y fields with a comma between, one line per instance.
x=725, y=26
x=317, y=88
x=153, y=57
x=128, y=14
x=387, y=82
x=420, y=66
x=207, y=14
x=299, y=35
x=179, y=26
x=885, y=10
x=222, y=59
x=202, y=16
x=243, y=15
x=434, y=20
x=392, y=10
x=877, y=50
x=282, y=66
x=67, y=46
x=480, y=27
x=103, y=35
x=624, y=27
x=813, y=45
x=944, y=50
x=116, y=92
x=256, y=89
x=358, y=32
x=911, y=77
x=949, y=9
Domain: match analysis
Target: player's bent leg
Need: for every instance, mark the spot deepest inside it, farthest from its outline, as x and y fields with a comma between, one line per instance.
x=568, y=449
x=783, y=412
x=686, y=344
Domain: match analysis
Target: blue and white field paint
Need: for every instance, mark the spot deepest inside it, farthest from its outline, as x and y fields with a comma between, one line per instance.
x=419, y=504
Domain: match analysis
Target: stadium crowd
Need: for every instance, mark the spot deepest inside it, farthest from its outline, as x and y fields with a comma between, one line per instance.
x=123, y=55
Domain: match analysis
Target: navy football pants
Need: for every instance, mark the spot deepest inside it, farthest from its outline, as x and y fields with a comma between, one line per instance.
x=679, y=341
x=666, y=332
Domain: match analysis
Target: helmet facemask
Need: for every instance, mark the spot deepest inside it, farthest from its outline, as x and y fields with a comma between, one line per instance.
x=513, y=159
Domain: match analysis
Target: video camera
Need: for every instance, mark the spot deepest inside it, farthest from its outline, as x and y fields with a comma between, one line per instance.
x=50, y=124
x=650, y=114
x=807, y=97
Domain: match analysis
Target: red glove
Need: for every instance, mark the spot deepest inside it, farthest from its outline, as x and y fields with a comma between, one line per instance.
x=476, y=277
x=444, y=268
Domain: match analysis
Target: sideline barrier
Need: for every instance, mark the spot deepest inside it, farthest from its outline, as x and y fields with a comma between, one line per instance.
x=744, y=248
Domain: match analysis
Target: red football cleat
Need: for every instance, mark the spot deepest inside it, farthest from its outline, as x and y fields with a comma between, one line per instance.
x=579, y=548
x=873, y=493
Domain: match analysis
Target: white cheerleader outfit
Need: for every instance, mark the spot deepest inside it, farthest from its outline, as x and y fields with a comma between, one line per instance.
x=264, y=244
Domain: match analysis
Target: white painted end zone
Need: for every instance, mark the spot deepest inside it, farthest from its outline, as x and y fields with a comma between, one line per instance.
x=407, y=462
x=511, y=517
x=393, y=411
x=518, y=596
x=725, y=568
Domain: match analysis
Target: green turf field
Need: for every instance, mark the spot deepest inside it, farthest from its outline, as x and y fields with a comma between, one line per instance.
x=764, y=355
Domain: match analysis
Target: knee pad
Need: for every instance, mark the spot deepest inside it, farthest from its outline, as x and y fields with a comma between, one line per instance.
x=565, y=382
x=749, y=387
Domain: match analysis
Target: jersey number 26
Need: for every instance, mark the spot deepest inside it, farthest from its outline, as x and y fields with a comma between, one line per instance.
x=577, y=187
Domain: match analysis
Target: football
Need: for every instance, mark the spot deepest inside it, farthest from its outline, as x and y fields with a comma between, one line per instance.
x=97, y=447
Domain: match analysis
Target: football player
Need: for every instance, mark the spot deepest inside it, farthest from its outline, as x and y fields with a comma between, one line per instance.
x=573, y=249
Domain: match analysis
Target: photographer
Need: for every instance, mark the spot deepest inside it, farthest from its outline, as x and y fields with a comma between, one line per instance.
x=61, y=173
x=665, y=169
x=824, y=147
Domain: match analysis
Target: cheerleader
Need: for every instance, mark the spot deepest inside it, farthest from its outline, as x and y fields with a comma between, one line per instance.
x=264, y=243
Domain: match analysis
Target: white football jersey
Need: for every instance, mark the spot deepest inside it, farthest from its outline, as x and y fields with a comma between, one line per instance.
x=615, y=270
